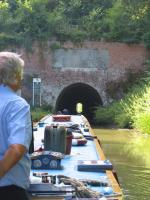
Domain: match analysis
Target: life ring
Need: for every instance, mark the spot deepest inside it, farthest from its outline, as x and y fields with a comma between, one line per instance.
x=77, y=135
x=79, y=141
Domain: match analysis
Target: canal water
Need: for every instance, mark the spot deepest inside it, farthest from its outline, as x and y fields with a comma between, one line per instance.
x=130, y=156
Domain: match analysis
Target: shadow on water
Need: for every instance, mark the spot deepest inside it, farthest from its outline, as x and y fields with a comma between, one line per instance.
x=130, y=155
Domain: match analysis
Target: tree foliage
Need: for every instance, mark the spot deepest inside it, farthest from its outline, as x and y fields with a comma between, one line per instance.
x=24, y=21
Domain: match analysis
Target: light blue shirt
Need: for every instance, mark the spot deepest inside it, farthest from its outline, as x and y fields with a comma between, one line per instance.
x=15, y=128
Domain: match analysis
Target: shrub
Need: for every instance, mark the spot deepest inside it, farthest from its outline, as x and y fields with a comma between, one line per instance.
x=106, y=115
x=142, y=122
x=39, y=112
x=132, y=111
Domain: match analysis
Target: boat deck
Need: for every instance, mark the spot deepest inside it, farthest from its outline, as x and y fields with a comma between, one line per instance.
x=91, y=151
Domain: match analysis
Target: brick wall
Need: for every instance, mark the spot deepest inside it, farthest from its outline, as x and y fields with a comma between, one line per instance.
x=114, y=62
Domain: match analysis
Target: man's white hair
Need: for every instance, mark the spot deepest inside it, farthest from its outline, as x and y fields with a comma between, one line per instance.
x=11, y=66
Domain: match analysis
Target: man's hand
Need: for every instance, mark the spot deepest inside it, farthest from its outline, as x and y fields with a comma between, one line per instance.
x=11, y=157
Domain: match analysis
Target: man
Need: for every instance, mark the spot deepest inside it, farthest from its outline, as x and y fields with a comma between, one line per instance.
x=15, y=130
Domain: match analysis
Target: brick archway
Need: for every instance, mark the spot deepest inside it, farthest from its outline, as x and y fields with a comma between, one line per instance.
x=79, y=92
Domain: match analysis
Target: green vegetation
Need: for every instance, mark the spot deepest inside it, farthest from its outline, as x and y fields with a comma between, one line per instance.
x=40, y=112
x=131, y=111
x=25, y=21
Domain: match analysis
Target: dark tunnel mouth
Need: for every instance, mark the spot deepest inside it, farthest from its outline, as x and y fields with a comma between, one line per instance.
x=79, y=92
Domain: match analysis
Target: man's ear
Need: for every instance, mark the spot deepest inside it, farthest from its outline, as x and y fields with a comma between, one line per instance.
x=14, y=85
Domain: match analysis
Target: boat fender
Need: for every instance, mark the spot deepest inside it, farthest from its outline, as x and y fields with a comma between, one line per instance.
x=79, y=142
x=77, y=135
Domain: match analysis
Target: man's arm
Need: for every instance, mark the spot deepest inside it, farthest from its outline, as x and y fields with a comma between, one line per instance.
x=11, y=157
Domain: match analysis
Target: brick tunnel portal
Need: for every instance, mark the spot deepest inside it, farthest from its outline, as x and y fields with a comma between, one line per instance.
x=76, y=93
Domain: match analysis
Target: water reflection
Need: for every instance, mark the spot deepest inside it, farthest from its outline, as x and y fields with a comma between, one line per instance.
x=130, y=156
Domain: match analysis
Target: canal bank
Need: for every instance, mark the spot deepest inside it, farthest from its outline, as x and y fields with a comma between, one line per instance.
x=132, y=166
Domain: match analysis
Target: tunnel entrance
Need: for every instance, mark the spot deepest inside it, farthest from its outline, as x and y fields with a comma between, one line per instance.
x=82, y=93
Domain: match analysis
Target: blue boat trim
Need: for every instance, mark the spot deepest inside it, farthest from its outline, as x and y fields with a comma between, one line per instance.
x=76, y=165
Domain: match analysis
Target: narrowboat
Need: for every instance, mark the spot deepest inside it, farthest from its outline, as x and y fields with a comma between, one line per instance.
x=67, y=162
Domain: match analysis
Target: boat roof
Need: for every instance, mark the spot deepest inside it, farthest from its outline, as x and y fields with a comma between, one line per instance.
x=92, y=151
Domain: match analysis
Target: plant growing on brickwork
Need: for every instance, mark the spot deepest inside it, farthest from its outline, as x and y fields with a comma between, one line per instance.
x=55, y=45
x=132, y=110
x=117, y=89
